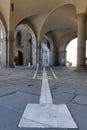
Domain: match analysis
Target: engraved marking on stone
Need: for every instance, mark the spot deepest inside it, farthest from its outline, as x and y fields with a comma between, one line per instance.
x=54, y=75
x=35, y=73
x=46, y=114
x=45, y=92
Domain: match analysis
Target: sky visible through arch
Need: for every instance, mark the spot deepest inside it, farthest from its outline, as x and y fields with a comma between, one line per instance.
x=72, y=52
x=71, y=49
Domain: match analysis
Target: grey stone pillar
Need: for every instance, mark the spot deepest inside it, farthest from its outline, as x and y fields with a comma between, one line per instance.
x=3, y=52
x=34, y=53
x=31, y=53
x=10, y=49
x=61, y=58
x=81, y=48
x=38, y=54
x=51, y=58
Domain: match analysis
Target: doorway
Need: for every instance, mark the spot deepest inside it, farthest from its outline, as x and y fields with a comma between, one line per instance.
x=19, y=58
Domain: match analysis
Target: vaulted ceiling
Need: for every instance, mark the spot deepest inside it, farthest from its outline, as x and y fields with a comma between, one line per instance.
x=55, y=17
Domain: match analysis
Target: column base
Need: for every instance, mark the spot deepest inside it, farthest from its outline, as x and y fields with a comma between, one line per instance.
x=37, y=65
x=11, y=65
x=80, y=68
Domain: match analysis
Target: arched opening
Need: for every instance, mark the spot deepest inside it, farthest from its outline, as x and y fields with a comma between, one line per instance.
x=46, y=52
x=86, y=54
x=71, y=55
x=19, y=58
x=26, y=42
x=62, y=27
x=2, y=45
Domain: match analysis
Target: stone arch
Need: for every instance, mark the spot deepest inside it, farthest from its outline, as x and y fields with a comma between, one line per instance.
x=50, y=46
x=62, y=49
x=34, y=44
x=3, y=28
x=71, y=52
x=2, y=44
x=33, y=37
x=72, y=37
x=66, y=40
x=61, y=4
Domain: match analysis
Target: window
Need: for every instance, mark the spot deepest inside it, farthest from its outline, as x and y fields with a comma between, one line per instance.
x=19, y=38
x=30, y=40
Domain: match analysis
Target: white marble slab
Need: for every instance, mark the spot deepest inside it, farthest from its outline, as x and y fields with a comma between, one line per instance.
x=35, y=73
x=54, y=75
x=47, y=116
x=45, y=91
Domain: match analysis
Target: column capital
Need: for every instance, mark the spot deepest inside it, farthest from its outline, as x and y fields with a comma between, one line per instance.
x=82, y=15
x=64, y=51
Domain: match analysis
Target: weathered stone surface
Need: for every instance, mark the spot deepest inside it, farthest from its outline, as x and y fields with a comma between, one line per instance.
x=18, y=101
x=80, y=100
x=47, y=116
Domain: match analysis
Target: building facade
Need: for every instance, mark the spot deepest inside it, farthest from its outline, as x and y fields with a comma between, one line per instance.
x=26, y=24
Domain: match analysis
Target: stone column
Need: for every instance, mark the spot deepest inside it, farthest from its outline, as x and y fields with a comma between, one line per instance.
x=10, y=49
x=31, y=53
x=34, y=52
x=61, y=58
x=38, y=54
x=81, y=48
x=55, y=57
x=3, y=52
x=52, y=58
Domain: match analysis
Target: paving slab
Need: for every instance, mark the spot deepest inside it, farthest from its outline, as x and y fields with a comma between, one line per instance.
x=9, y=119
x=47, y=116
x=79, y=112
x=43, y=129
x=62, y=97
x=65, y=89
x=13, y=104
x=21, y=82
x=6, y=91
x=3, y=109
x=35, y=90
x=82, y=91
x=80, y=100
x=18, y=101
x=60, y=84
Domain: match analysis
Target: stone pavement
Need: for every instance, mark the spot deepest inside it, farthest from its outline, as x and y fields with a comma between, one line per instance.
x=17, y=88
